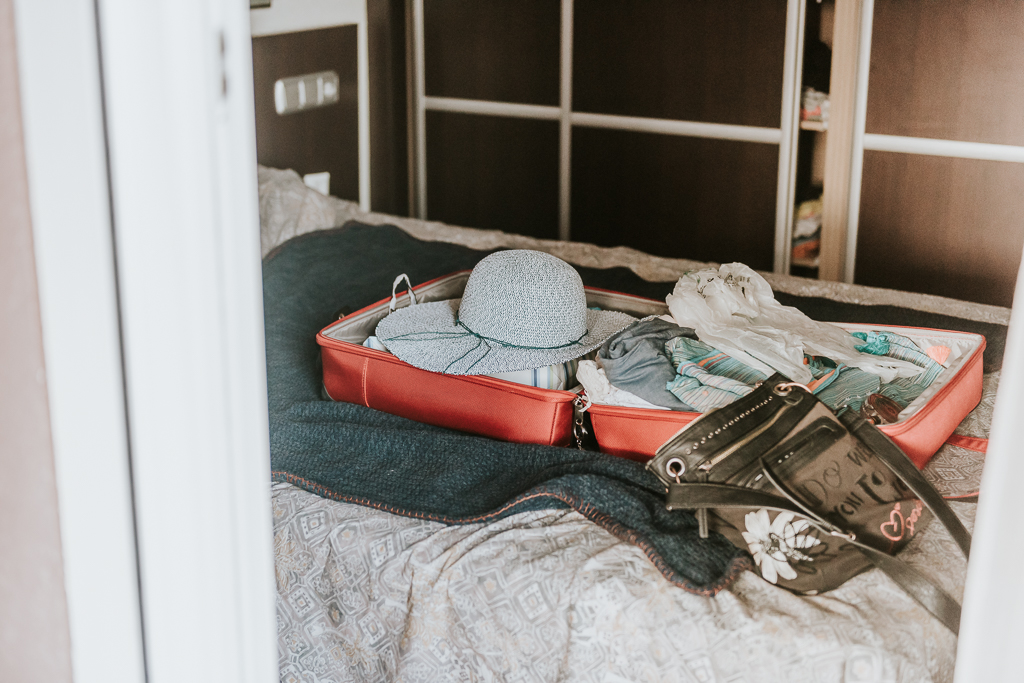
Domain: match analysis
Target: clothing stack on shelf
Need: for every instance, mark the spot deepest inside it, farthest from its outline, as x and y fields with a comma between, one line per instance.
x=807, y=234
x=814, y=106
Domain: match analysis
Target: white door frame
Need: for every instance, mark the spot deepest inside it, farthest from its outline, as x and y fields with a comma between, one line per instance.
x=992, y=624
x=65, y=152
x=142, y=173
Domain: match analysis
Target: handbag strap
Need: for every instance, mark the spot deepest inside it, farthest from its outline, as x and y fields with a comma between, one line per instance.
x=897, y=461
x=697, y=496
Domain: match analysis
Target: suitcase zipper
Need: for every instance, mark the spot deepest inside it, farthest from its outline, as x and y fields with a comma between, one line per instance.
x=580, y=404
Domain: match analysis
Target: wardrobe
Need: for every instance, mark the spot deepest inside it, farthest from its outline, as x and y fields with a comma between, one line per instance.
x=673, y=126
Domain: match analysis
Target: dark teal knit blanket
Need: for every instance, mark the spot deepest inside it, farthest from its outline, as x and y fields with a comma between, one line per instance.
x=358, y=455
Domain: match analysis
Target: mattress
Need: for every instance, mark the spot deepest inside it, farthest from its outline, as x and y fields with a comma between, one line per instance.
x=364, y=595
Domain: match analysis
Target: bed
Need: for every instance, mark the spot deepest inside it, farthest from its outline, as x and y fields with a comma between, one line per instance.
x=543, y=595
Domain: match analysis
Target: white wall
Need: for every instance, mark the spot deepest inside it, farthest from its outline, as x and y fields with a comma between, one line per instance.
x=285, y=16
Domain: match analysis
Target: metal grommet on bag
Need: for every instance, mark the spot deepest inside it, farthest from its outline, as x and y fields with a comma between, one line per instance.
x=675, y=468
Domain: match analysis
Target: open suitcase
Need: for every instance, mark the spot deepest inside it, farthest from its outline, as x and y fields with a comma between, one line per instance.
x=513, y=412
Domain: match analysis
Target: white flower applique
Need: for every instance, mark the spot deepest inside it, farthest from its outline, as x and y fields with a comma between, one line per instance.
x=775, y=544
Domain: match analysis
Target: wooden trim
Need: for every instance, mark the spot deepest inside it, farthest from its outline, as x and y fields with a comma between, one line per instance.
x=486, y=108
x=836, y=198
x=363, y=80
x=411, y=111
x=419, y=100
x=696, y=129
x=290, y=16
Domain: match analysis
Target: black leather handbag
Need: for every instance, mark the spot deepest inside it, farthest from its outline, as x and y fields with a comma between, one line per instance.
x=815, y=497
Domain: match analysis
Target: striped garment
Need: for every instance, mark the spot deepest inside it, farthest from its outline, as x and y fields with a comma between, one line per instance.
x=838, y=385
x=708, y=378
x=903, y=390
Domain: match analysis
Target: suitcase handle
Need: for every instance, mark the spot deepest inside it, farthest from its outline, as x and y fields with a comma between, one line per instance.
x=394, y=292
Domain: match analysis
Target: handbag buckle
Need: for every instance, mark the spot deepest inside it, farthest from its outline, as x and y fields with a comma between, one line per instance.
x=784, y=388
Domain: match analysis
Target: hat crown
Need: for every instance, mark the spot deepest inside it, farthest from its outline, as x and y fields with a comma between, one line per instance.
x=526, y=298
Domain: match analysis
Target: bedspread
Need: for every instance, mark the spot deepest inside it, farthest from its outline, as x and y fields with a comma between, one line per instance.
x=547, y=595
x=364, y=595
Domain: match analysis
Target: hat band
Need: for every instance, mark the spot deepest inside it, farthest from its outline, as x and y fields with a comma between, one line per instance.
x=482, y=340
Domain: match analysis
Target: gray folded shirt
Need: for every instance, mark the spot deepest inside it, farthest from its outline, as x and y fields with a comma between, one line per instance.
x=635, y=360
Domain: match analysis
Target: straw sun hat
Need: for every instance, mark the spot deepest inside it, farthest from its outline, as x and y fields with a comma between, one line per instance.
x=521, y=310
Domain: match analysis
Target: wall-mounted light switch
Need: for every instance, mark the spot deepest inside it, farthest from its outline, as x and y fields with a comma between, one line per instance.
x=298, y=93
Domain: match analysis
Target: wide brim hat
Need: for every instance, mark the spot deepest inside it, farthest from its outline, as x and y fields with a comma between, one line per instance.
x=521, y=310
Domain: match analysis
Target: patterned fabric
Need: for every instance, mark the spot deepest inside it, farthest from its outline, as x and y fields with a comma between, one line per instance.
x=547, y=595
x=708, y=378
x=702, y=390
x=839, y=386
x=368, y=596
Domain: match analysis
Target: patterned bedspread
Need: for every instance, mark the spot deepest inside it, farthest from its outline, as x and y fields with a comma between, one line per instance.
x=364, y=595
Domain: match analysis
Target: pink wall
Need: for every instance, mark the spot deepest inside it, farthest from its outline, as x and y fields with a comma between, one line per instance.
x=34, y=641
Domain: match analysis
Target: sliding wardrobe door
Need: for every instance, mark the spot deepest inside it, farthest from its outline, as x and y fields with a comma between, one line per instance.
x=941, y=205
x=666, y=125
x=495, y=172
x=692, y=196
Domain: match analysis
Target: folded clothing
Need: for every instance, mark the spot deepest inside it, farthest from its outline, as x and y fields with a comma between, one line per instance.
x=903, y=390
x=734, y=309
x=706, y=378
x=558, y=376
x=599, y=390
x=635, y=360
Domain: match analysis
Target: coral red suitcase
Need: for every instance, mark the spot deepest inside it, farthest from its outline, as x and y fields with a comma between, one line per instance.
x=513, y=412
